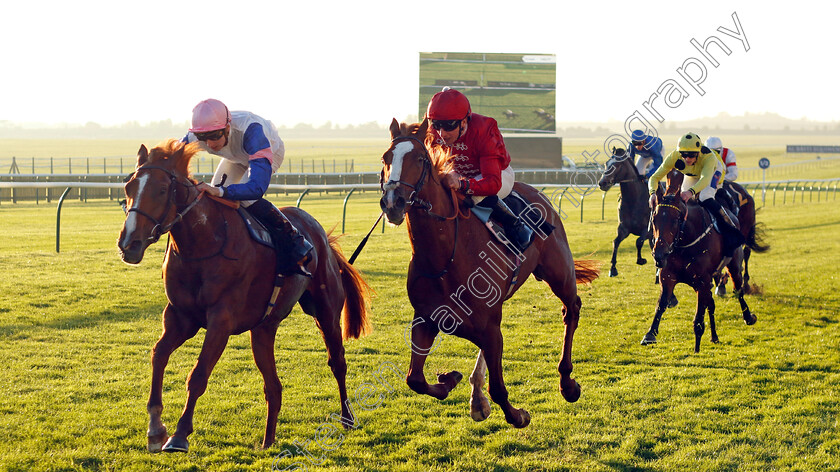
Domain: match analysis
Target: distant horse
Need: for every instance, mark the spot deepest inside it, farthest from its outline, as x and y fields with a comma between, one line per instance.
x=218, y=278
x=510, y=114
x=688, y=250
x=459, y=276
x=633, y=207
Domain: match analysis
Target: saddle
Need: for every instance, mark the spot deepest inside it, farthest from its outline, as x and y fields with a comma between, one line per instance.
x=256, y=229
x=528, y=212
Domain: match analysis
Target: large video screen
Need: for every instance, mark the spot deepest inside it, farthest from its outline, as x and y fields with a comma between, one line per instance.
x=518, y=90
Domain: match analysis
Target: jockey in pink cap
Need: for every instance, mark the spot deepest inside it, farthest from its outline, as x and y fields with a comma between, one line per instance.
x=251, y=150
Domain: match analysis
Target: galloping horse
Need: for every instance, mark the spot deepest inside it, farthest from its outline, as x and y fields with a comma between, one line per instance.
x=633, y=209
x=688, y=250
x=218, y=278
x=743, y=205
x=459, y=276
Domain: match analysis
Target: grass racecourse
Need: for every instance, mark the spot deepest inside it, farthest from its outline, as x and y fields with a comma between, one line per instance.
x=77, y=328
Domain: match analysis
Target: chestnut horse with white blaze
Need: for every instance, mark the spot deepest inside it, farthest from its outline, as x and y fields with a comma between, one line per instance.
x=218, y=278
x=459, y=275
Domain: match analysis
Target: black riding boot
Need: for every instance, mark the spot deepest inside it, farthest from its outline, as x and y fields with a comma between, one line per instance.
x=293, y=250
x=516, y=230
x=732, y=237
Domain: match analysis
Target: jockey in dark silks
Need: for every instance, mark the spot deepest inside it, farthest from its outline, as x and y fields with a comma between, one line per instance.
x=649, y=152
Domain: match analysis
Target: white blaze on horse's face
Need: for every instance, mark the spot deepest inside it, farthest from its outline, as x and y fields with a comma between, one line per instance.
x=130, y=224
x=399, y=152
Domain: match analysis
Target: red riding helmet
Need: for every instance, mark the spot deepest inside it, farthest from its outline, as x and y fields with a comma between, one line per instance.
x=448, y=104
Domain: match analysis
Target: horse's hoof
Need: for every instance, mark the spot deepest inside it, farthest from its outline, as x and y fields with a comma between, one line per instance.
x=450, y=379
x=479, y=409
x=750, y=319
x=673, y=302
x=648, y=339
x=524, y=419
x=613, y=272
x=176, y=444
x=570, y=394
x=641, y=261
x=154, y=442
x=715, y=340
x=721, y=291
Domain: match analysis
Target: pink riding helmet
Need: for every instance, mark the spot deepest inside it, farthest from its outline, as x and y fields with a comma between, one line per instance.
x=209, y=115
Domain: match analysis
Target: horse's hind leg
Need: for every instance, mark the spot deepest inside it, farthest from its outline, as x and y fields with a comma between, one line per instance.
x=738, y=282
x=746, y=288
x=564, y=286
x=704, y=294
x=640, y=242
x=491, y=345
x=262, y=346
x=423, y=335
x=175, y=333
x=328, y=318
x=479, y=405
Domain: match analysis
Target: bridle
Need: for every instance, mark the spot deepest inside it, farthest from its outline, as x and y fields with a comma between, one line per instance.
x=675, y=244
x=160, y=229
x=638, y=176
x=426, y=161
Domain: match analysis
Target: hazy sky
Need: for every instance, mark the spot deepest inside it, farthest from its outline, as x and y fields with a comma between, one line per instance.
x=355, y=62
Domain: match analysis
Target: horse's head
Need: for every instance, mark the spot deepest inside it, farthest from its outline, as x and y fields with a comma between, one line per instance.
x=668, y=217
x=405, y=168
x=153, y=193
x=618, y=168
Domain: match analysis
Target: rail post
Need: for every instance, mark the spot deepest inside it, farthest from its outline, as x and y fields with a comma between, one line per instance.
x=58, y=220
x=344, y=209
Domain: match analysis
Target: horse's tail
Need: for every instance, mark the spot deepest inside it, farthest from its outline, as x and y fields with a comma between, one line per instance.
x=587, y=270
x=355, y=323
x=755, y=240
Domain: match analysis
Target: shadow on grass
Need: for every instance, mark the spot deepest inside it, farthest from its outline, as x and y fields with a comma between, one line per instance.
x=105, y=317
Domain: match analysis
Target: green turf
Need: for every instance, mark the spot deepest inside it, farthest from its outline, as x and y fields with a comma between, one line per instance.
x=77, y=328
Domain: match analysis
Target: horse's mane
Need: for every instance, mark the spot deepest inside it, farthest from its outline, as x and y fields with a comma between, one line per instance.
x=183, y=154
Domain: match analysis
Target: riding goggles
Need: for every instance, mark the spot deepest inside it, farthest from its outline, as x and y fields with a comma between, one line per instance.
x=689, y=154
x=637, y=143
x=210, y=135
x=446, y=125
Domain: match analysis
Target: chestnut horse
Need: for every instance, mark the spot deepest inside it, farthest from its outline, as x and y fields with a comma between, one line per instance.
x=688, y=250
x=218, y=278
x=459, y=276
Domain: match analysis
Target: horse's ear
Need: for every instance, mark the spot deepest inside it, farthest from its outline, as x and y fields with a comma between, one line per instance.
x=424, y=126
x=659, y=193
x=395, y=128
x=142, y=155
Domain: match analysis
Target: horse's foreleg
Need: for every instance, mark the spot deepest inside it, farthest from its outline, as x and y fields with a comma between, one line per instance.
x=667, y=289
x=422, y=340
x=214, y=344
x=172, y=337
x=492, y=345
x=262, y=346
x=479, y=405
x=621, y=236
x=569, y=387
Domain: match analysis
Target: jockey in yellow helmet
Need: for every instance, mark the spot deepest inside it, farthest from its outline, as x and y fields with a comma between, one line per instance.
x=703, y=172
